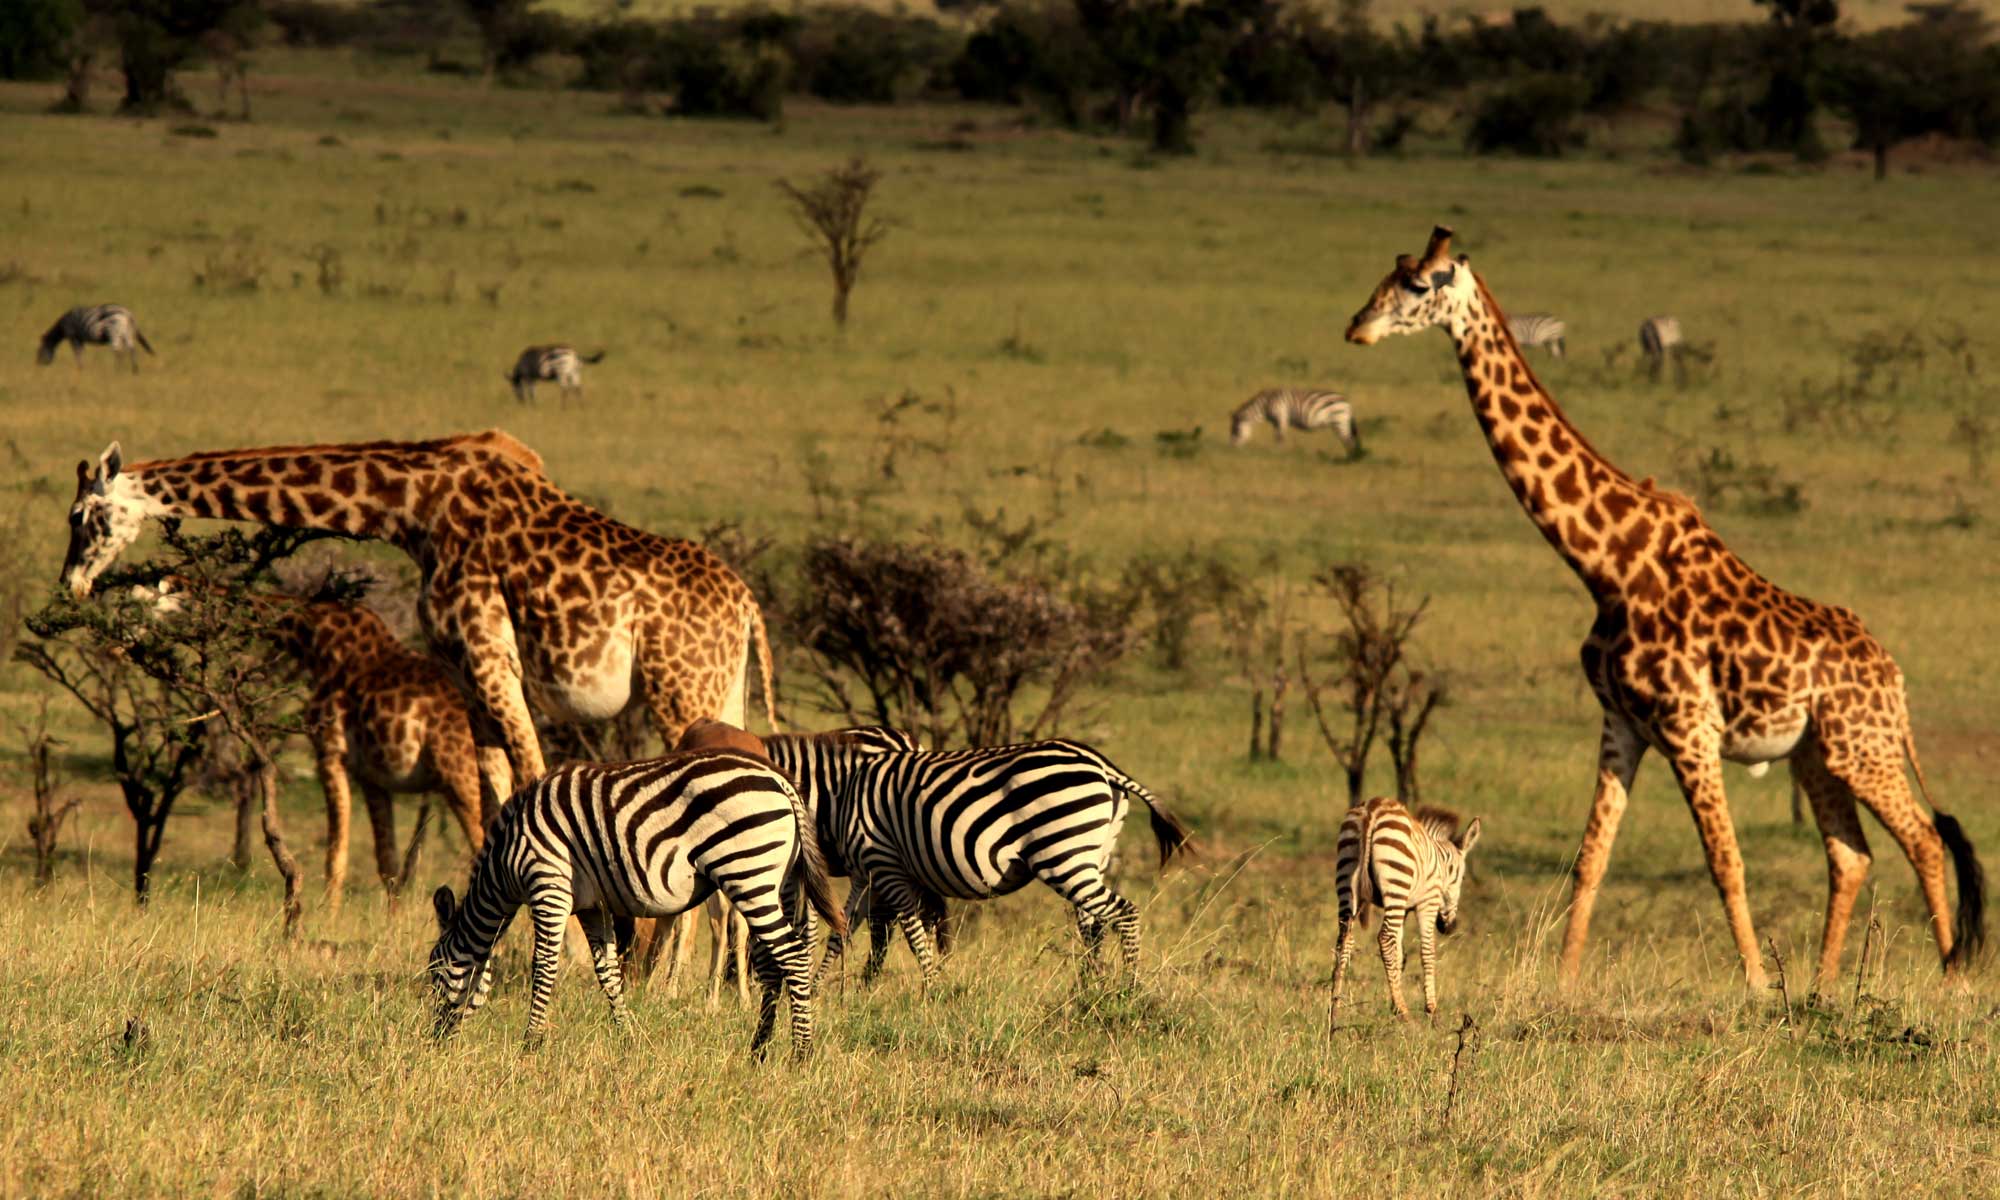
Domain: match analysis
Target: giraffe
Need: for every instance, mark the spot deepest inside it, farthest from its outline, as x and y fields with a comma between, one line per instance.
x=527, y=595
x=379, y=713
x=1693, y=653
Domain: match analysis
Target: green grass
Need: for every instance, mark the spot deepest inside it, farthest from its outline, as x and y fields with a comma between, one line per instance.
x=1152, y=299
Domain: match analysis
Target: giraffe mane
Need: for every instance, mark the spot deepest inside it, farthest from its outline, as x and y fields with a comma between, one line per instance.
x=493, y=441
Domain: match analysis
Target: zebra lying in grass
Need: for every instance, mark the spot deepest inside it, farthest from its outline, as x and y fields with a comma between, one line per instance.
x=101, y=325
x=975, y=824
x=644, y=839
x=1539, y=329
x=549, y=364
x=1296, y=408
x=1403, y=862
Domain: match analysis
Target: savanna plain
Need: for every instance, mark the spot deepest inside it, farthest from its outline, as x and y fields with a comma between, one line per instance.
x=1054, y=303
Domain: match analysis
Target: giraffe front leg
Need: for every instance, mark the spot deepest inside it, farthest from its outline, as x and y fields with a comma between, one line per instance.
x=1618, y=753
x=600, y=930
x=1391, y=942
x=1698, y=768
x=382, y=823
x=496, y=687
x=330, y=755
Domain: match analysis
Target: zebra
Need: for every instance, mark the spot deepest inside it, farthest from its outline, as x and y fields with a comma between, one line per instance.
x=1404, y=862
x=1539, y=329
x=975, y=824
x=548, y=364
x=818, y=764
x=646, y=839
x=1298, y=408
x=1660, y=338
x=103, y=325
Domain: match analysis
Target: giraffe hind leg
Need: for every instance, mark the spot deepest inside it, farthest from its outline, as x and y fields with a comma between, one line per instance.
x=1874, y=774
x=1847, y=859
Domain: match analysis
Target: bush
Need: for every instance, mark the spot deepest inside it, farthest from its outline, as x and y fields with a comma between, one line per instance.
x=1033, y=53
x=1535, y=117
x=857, y=56
x=34, y=37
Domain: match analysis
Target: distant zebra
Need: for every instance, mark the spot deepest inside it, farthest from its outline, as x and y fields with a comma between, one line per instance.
x=1539, y=329
x=1659, y=338
x=1297, y=408
x=644, y=839
x=1402, y=862
x=100, y=325
x=549, y=364
x=975, y=824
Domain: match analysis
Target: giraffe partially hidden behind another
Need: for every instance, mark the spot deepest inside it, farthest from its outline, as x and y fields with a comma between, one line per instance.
x=1693, y=653
x=527, y=595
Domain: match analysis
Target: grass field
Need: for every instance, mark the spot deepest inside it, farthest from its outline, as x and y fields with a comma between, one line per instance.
x=1048, y=286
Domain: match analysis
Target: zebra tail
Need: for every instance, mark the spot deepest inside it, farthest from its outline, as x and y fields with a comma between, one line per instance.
x=1169, y=831
x=141, y=338
x=1969, y=924
x=764, y=664
x=592, y=358
x=811, y=865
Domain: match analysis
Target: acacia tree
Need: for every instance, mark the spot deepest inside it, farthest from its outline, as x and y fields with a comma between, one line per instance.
x=1166, y=55
x=165, y=682
x=1935, y=74
x=1376, y=681
x=832, y=212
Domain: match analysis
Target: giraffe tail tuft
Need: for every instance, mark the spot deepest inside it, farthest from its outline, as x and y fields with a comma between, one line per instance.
x=763, y=641
x=1969, y=927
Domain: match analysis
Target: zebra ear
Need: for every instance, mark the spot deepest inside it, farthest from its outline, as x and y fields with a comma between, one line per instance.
x=1469, y=837
x=446, y=904
x=109, y=462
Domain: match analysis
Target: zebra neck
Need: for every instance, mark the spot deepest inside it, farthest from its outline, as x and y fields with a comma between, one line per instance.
x=345, y=491
x=1598, y=518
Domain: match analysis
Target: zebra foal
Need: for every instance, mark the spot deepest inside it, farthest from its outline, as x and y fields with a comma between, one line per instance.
x=1296, y=408
x=645, y=839
x=99, y=325
x=1402, y=862
x=976, y=824
x=1539, y=329
x=549, y=364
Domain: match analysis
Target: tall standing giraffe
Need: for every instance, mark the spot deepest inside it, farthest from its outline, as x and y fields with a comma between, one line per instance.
x=1692, y=653
x=526, y=594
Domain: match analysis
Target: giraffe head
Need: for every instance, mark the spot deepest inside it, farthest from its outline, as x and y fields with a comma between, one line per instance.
x=1419, y=293
x=105, y=517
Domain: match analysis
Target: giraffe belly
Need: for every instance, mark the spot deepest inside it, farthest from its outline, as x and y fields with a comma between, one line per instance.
x=595, y=691
x=1765, y=741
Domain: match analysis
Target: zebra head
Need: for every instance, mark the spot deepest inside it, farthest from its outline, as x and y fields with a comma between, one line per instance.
x=105, y=517
x=453, y=964
x=1418, y=294
x=1460, y=846
x=1239, y=428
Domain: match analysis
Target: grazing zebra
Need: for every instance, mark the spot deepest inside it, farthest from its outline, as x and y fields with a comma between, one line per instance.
x=818, y=763
x=102, y=325
x=644, y=839
x=1403, y=862
x=1298, y=408
x=1659, y=338
x=1539, y=329
x=549, y=364
x=975, y=824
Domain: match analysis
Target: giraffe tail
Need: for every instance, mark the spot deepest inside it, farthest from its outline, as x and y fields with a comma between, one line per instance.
x=763, y=641
x=1969, y=924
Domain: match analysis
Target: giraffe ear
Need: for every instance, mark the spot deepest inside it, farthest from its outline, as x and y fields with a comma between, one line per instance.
x=1469, y=837
x=109, y=462
x=1406, y=263
x=446, y=905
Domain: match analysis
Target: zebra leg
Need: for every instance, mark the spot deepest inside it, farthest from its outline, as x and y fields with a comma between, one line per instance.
x=600, y=930
x=1342, y=955
x=550, y=908
x=739, y=941
x=1391, y=941
x=1085, y=888
x=1091, y=930
x=1427, y=944
x=896, y=898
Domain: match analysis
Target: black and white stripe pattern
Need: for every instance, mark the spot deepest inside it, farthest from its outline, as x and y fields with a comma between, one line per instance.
x=1539, y=329
x=818, y=764
x=549, y=364
x=100, y=325
x=1295, y=408
x=1403, y=863
x=1659, y=338
x=975, y=824
x=644, y=839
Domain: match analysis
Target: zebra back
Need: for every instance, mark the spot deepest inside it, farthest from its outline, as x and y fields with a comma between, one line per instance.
x=1538, y=329
x=1657, y=335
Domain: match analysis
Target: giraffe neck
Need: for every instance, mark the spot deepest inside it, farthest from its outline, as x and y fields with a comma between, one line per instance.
x=362, y=491
x=1598, y=518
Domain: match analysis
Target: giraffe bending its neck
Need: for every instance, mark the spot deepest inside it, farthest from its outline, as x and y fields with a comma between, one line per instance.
x=1692, y=653
x=527, y=595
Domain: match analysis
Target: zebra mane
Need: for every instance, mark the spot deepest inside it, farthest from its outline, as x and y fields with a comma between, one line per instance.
x=1439, y=821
